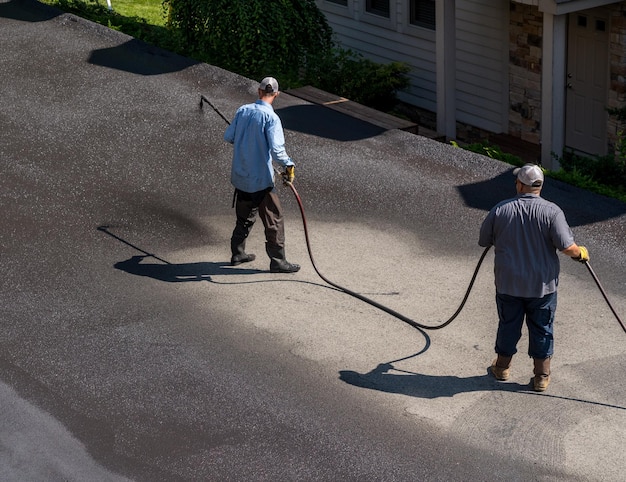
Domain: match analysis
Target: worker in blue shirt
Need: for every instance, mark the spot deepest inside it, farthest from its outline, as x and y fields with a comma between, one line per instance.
x=527, y=231
x=257, y=135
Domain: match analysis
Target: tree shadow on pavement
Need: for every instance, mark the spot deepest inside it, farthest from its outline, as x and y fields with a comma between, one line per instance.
x=582, y=209
x=140, y=58
x=323, y=122
x=28, y=11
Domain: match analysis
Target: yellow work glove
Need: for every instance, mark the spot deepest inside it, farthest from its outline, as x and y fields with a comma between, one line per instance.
x=289, y=175
x=583, y=257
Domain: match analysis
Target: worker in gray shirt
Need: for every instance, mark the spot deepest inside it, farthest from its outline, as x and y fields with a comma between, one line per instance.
x=527, y=232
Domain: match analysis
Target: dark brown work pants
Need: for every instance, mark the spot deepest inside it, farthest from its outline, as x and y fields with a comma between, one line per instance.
x=267, y=206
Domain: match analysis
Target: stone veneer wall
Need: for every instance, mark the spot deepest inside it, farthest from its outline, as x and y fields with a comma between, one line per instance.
x=525, y=36
x=617, y=63
x=525, y=71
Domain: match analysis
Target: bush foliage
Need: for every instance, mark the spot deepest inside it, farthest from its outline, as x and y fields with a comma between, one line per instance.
x=254, y=38
x=603, y=175
x=288, y=39
x=489, y=150
x=351, y=75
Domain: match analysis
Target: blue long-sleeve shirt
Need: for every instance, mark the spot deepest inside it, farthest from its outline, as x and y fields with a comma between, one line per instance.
x=257, y=135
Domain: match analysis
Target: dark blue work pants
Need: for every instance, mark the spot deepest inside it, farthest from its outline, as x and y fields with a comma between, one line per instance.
x=539, y=315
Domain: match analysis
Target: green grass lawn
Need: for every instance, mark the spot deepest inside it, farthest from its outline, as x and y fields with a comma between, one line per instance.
x=150, y=10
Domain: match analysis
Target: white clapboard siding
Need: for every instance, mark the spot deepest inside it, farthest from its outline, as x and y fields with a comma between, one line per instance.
x=384, y=41
x=481, y=57
x=482, y=63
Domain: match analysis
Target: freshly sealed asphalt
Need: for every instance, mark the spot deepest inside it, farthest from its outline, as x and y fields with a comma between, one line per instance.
x=130, y=350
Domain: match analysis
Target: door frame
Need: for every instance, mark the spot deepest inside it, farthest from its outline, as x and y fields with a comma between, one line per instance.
x=589, y=135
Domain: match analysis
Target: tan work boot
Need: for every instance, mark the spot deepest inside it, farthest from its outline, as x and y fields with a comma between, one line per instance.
x=500, y=368
x=541, y=379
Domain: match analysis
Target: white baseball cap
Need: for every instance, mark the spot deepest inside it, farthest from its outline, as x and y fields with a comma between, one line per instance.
x=530, y=175
x=269, y=85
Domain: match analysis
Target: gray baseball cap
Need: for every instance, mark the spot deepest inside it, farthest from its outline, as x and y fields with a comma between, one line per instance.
x=530, y=175
x=269, y=85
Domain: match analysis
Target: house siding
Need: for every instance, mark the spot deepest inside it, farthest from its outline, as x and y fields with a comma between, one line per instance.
x=482, y=55
x=481, y=60
x=388, y=40
x=499, y=50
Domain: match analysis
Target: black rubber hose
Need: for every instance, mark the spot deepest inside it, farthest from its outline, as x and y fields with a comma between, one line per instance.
x=382, y=307
x=408, y=320
x=372, y=302
x=346, y=290
x=606, y=298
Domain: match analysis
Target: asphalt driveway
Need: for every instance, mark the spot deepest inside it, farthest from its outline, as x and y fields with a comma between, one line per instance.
x=130, y=350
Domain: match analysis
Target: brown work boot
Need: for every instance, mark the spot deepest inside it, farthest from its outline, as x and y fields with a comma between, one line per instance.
x=500, y=368
x=541, y=380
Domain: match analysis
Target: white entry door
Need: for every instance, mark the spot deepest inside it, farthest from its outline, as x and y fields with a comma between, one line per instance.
x=587, y=82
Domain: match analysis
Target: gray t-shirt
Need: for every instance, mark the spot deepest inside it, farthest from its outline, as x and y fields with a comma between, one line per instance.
x=526, y=232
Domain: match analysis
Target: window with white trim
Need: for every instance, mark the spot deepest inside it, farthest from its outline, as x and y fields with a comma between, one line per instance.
x=422, y=13
x=378, y=7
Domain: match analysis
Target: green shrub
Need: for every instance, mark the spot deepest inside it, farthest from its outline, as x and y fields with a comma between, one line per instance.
x=602, y=169
x=602, y=174
x=608, y=171
x=292, y=43
x=289, y=39
x=495, y=152
x=599, y=175
x=349, y=74
x=254, y=38
x=584, y=181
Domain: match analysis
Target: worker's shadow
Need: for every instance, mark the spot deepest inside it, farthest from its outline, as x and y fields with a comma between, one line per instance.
x=436, y=386
x=177, y=273
x=386, y=378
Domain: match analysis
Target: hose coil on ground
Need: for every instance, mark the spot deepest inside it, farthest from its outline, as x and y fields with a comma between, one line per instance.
x=385, y=308
x=372, y=302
